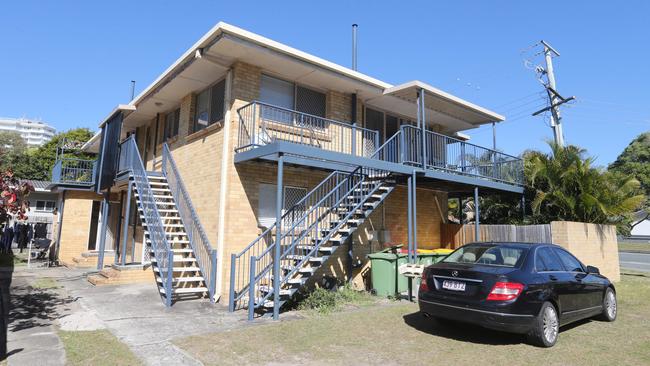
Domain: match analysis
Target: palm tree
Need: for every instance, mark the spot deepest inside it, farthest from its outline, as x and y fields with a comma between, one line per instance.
x=567, y=186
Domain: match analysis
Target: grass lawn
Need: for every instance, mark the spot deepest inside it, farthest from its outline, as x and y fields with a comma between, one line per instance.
x=97, y=347
x=636, y=247
x=395, y=334
x=44, y=283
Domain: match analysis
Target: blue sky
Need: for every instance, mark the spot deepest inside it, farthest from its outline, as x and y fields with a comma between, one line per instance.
x=70, y=62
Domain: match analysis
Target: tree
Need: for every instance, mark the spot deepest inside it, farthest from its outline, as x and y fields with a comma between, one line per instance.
x=12, y=146
x=635, y=161
x=37, y=163
x=568, y=187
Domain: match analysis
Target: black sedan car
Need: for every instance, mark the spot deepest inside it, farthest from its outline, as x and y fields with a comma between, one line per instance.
x=530, y=289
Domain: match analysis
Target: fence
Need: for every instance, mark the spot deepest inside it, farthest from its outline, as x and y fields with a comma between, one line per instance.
x=593, y=244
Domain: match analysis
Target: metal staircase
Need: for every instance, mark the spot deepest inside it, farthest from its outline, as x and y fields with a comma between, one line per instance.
x=182, y=259
x=311, y=232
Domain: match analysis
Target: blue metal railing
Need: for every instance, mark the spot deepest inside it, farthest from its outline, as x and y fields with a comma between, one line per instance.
x=74, y=171
x=240, y=262
x=205, y=255
x=261, y=124
x=131, y=161
x=459, y=157
x=304, y=237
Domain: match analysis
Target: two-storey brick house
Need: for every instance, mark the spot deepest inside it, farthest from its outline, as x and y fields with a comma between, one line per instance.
x=242, y=135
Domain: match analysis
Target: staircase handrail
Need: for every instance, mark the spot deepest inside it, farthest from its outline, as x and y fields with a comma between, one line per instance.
x=132, y=160
x=239, y=261
x=206, y=255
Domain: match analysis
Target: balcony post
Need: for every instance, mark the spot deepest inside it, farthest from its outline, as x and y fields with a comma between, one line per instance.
x=354, y=139
x=254, y=124
x=477, y=218
x=127, y=217
x=523, y=207
x=409, y=213
x=422, y=116
x=278, y=239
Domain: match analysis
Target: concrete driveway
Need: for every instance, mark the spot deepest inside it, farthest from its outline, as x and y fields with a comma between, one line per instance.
x=634, y=261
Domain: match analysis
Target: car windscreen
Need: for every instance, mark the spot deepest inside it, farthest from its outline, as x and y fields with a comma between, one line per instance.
x=490, y=255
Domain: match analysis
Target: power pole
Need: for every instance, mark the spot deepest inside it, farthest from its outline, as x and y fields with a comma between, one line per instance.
x=555, y=99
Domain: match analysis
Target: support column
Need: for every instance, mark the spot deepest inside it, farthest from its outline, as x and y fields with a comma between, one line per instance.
x=523, y=207
x=102, y=238
x=424, y=129
x=409, y=214
x=477, y=219
x=460, y=210
x=127, y=218
x=278, y=236
x=414, y=255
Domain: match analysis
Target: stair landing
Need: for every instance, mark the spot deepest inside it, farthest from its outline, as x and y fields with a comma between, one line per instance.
x=120, y=275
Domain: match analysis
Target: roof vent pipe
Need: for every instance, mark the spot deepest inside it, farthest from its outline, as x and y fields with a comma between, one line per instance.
x=354, y=46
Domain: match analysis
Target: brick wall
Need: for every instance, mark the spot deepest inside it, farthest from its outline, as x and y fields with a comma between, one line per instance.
x=75, y=224
x=594, y=245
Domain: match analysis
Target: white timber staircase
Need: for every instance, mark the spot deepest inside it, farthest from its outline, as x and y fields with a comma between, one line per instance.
x=187, y=279
x=312, y=232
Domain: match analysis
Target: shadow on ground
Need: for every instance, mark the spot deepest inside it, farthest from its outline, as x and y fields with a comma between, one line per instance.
x=32, y=307
x=461, y=331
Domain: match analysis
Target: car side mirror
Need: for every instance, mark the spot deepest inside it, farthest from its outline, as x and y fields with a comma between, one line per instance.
x=592, y=269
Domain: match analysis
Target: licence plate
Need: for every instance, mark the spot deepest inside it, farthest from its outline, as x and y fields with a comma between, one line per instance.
x=453, y=285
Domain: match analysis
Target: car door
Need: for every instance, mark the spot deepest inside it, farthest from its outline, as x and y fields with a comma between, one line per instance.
x=549, y=266
x=589, y=286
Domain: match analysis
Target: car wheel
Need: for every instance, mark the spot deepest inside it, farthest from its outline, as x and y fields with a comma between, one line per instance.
x=546, y=327
x=610, y=306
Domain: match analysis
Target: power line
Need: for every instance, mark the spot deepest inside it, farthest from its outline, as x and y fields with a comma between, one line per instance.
x=517, y=100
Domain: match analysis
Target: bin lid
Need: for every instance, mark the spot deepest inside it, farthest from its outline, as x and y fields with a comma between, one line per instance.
x=387, y=256
x=443, y=251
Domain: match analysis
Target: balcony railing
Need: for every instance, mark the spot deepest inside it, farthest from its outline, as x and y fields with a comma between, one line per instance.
x=262, y=124
x=74, y=171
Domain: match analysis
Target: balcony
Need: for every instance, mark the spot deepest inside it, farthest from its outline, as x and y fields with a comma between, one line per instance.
x=436, y=155
x=70, y=171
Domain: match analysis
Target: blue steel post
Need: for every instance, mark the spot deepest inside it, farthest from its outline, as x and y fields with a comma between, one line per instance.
x=127, y=217
x=409, y=215
x=415, y=220
x=251, y=288
x=402, y=145
x=423, y=127
x=477, y=219
x=231, y=298
x=523, y=207
x=102, y=238
x=213, y=276
x=170, y=278
x=254, y=124
x=278, y=237
x=354, y=139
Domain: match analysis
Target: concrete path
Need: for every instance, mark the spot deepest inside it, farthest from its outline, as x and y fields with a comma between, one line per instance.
x=634, y=261
x=136, y=315
x=32, y=338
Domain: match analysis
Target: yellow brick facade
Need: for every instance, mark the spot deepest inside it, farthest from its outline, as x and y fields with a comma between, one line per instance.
x=198, y=156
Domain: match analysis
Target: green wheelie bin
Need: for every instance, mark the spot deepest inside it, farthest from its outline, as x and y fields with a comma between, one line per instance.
x=386, y=280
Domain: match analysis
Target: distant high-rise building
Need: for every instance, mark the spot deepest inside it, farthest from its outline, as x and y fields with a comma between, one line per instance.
x=35, y=133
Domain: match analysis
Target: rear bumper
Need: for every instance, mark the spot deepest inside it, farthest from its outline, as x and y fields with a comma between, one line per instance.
x=513, y=323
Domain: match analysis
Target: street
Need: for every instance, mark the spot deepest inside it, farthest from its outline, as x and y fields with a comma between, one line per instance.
x=635, y=261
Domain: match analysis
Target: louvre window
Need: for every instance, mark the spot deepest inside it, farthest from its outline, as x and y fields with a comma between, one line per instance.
x=209, y=106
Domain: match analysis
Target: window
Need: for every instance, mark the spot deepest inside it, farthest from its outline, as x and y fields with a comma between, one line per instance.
x=267, y=202
x=491, y=255
x=570, y=262
x=209, y=106
x=547, y=261
x=45, y=206
x=172, y=120
x=287, y=95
